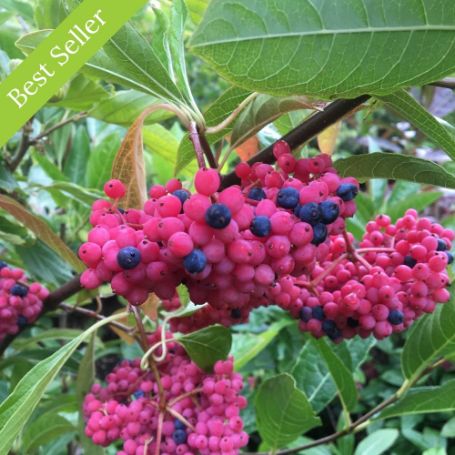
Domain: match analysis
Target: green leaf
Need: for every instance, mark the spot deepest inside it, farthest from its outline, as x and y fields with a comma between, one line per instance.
x=42, y=230
x=378, y=442
x=219, y=110
x=448, y=430
x=125, y=106
x=340, y=374
x=75, y=167
x=392, y=166
x=424, y=400
x=419, y=201
x=48, y=166
x=283, y=411
x=264, y=109
x=7, y=181
x=300, y=48
x=160, y=141
x=246, y=346
x=43, y=430
x=19, y=405
x=85, y=378
x=49, y=13
x=207, y=345
x=197, y=8
x=76, y=192
x=20, y=344
x=407, y=107
x=82, y=94
x=431, y=337
x=290, y=120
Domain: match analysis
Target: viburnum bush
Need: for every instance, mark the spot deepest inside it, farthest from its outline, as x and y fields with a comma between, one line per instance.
x=246, y=248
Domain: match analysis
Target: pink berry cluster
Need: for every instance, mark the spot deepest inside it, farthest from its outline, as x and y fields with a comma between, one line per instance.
x=185, y=410
x=227, y=246
x=20, y=302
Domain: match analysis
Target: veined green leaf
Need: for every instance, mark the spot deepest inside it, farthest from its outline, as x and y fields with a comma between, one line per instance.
x=283, y=411
x=392, y=166
x=378, y=442
x=406, y=106
x=289, y=47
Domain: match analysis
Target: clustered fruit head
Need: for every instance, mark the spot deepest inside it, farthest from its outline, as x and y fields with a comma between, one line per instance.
x=277, y=238
x=200, y=412
x=20, y=302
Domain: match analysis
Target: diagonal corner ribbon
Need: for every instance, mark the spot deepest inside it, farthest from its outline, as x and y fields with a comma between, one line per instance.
x=58, y=58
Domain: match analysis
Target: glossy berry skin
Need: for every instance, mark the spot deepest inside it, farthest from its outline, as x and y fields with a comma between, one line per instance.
x=409, y=261
x=318, y=313
x=22, y=321
x=195, y=262
x=442, y=246
x=179, y=425
x=329, y=211
x=347, y=191
x=449, y=257
x=319, y=233
x=288, y=198
x=218, y=216
x=310, y=213
x=395, y=317
x=260, y=226
x=114, y=189
x=128, y=257
x=183, y=195
x=257, y=194
x=179, y=436
x=20, y=290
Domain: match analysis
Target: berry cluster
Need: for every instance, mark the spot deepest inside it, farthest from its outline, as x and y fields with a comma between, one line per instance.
x=180, y=407
x=20, y=302
x=228, y=247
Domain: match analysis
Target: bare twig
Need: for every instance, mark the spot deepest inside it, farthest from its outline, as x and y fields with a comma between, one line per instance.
x=23, y=146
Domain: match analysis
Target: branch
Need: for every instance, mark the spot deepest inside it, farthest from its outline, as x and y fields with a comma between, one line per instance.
x=207, y=150
x=23, y=147
x=448, y=82
x=304, y=132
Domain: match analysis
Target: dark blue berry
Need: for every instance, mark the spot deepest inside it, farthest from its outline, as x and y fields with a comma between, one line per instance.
x=3, y=265
x=409, y=261
x=306, y=313
x=22, y=321
x=179, y=425
x=449, y=257
x=260, y=226
x=352, y=322
x=331, y=329
x=236, y=313
x=318, y=313
x=19, y=290
x=122, y=211
x=442, y=246
x=182, y=195
x=310, y=213
x=218, y=216
x=138, y=394
x=395, y=317
x=195, y=261
x=257, y=194
x=347, y=191
x=128, y=257
x=288, y=198
x=329, y=211
x=319, y=234
x=179, y=436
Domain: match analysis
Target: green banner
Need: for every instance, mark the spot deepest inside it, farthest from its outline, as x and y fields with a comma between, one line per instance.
x=58, y=58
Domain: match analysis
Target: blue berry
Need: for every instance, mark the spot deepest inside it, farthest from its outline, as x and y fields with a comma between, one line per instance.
x=409, y=261
x=306, y=313
x=449, y=257
x=288, y=198
x=352, y=322
x=182, y=195
x=179, y=436
x=331, y=329
x=22, y=321
x=128, y=257
x=347, y=191
x=442, y=246
x=138, y=394
x=218, y=216
x=19, y=290
x=195, y=261
x=179, y=425
x=318, y=313
x=256, y=194
x=260, y=226
x=319, y=233
x=310, y=213
x=236, y=313
x=329, y=211
x=395, y=317
x=3, y=265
